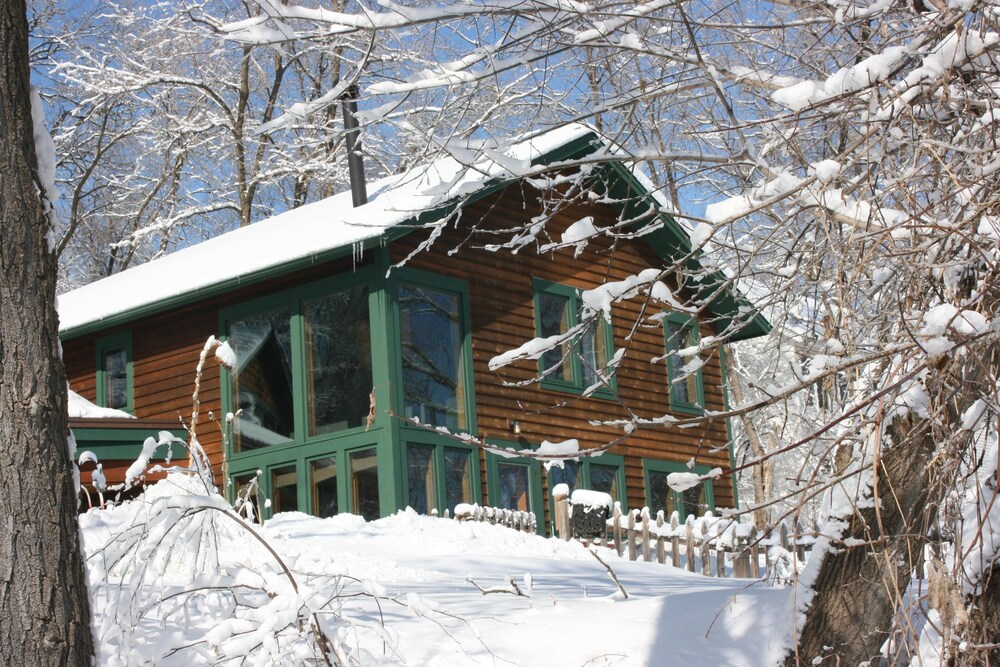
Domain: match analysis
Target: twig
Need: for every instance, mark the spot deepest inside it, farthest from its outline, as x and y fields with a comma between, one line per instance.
x=611, y=573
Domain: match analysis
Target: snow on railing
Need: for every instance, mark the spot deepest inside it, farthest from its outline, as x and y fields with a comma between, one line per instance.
x=518, y=520
x=713, y=546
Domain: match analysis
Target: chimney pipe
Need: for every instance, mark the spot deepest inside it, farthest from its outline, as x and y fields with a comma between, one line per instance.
x=352, y=137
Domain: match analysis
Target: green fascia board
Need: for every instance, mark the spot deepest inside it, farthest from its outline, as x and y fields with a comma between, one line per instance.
x=669, y=242
x=125, y=444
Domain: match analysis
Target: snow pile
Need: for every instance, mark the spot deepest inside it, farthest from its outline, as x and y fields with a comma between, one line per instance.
x=80, y=408
x=404, y=589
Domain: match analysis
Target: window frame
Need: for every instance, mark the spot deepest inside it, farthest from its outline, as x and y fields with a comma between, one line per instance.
x=294, y=300
x=657, y=466
x=696, y=407
x=607, y=390
x=535, y=498
x=439, y=444
x=109, y=343
x=460, y=288
x=301, y=450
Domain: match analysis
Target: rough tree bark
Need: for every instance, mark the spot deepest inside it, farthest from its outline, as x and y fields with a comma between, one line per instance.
x=44, y=613
x=859, y=589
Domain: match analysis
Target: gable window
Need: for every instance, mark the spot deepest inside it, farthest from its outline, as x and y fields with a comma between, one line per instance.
x=575, y=364
x=687, y=391
x=432, y=350
x=694, y=501
x=114, y=371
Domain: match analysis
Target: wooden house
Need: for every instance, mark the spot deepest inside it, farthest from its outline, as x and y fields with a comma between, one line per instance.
x=351, y=323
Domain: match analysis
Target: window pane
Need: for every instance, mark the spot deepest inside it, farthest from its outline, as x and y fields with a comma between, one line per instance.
x=431, y=337
x=284, y=492
x=661, y=497
x=553, y=313
x=364, y=483
x=338, y=360
x=564, y=475
x=593, y=345
x=693, y=501
x=323, y=473
x=683, y=392
x=262, y=379
x=513, y=487
x=420, y=474
x=604, y=478
x=241, y=486
x=457, y=477
x=115, y=365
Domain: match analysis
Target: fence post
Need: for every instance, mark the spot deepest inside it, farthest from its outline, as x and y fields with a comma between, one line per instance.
x=754, y=553
x=675, y=543
x=689, y=542
x=706, y=556
x=617, y=527
x=720, y=556
x=562, y=511
x=661, y=555
x=645, y=534
x=631, y=534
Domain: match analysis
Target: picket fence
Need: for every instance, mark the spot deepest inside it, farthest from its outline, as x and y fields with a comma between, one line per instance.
x=710, y=545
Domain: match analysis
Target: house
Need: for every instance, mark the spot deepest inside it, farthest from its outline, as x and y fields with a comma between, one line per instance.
x=350, y=323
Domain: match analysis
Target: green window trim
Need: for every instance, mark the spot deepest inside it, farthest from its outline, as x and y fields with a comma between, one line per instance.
x=654, y=467
x=577, y=383
x=458, y=288
x=680, y=394
x=495, y=465
x=106, y=346
x=440, y=446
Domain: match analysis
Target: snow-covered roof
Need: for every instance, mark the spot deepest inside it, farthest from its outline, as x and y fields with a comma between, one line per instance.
x=307, y=232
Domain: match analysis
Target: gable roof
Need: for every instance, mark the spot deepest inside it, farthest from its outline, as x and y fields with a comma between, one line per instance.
x=398, y=204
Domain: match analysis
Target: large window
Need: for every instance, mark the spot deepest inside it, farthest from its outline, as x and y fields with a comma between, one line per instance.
x=694, y=501
x=687, y=391
x=440, y=477
x=432, y=349
x=578, y=362
x=114, y=371
x=330, y=334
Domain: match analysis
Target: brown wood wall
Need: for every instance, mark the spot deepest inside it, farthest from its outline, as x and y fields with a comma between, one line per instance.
x=500, y=295
x=166, y=347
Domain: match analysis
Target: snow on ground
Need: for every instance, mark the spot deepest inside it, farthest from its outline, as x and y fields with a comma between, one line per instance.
x=435, y=615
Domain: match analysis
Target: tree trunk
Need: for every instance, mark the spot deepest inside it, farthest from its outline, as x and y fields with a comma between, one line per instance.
x=44, y=614
x=982, y=636
x=858, y=589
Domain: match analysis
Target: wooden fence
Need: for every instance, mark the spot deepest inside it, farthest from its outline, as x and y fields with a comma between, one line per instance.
x=522, y=521
x=710, y=545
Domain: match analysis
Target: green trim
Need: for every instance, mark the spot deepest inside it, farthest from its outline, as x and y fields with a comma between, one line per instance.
x=667, y=467
x=577, y=386
x=124, y=444
x=724, y=366
x=109, y=343
x=535, y=501
x=685, y=322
